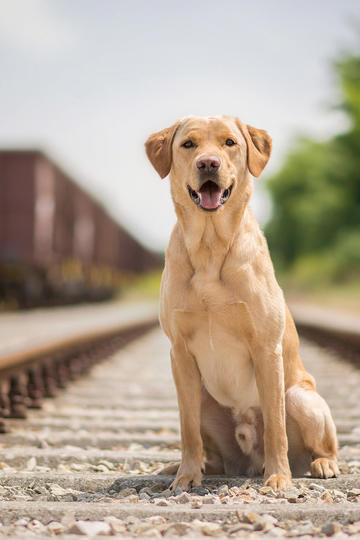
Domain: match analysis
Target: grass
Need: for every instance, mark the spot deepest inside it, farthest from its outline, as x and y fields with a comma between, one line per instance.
x=344, y=297
x=145, y=286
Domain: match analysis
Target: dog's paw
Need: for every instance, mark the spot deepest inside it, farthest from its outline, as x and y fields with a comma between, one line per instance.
x=278, y=482
x=187, y=478
x=324, y=468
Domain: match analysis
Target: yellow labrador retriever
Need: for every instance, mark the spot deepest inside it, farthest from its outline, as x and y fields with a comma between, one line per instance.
x=246, y=403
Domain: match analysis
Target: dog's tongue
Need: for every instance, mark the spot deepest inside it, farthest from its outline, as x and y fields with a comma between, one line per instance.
x=210, y=195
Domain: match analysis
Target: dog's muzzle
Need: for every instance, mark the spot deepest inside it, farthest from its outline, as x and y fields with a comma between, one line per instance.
x=210, y=196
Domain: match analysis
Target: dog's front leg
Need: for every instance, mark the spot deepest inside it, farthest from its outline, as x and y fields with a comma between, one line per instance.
x=269, y=372
x=188, y=386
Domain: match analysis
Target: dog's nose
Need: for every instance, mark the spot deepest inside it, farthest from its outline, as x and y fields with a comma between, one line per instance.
x=207, y=163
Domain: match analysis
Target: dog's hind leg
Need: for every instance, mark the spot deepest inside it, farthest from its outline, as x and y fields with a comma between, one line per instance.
x=222, y=452
x=316, y=436
x=249, y=433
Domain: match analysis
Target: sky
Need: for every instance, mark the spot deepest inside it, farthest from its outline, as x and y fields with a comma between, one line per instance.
x=88, y=80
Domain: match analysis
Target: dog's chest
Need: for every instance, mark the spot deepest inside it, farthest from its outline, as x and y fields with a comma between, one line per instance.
x=211, y=286
x=223, y=358
x=215, y=324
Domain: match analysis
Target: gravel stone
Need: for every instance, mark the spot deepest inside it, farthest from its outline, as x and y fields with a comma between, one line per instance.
x=36, y=526
x=276, y=533
x=21, y=522
x=291, y=494
x=353, y=492
x=54, y=527
x=131, y=499
x=209, y=528
x=223, y=490
x=184, y=498
x=240, y=527
x=316, y=487
x=302, y=529
x=161, y=502
x=146, y=490
x=326, y=497
x=330, y=529
x=196, y=502
x=127, y=492
x=57, y=490
x=263, y=525
x=209, y=499
x=156, y=520
x=353, y=528
x=178, y=529
x=167, y=493
x=90, y=528
x=154, y=533
x=199, y=490
x=31, y=464
x=248, y=517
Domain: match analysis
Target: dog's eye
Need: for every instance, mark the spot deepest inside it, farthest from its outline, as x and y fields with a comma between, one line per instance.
x=188, y=144
x=229, y=142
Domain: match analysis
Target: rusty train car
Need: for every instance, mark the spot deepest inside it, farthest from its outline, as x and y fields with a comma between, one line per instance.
x=58, y=244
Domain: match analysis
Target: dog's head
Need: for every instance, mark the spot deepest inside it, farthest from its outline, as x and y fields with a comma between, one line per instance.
x=208, y=159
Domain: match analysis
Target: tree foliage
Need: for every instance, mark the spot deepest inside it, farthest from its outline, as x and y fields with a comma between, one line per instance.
x=315, y=226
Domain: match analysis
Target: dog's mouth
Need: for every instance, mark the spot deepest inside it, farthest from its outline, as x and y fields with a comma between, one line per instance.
x=210, y=197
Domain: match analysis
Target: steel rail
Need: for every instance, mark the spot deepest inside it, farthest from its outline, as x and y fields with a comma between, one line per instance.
x=27, y=376
x=332, y=330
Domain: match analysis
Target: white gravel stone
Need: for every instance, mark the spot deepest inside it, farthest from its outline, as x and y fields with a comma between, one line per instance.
x=209, y=528
x=153, y=533
x=22, y=522
x=36, y=526
x=57, y=490
x=31, y=464
x=184, y=498
x=178, y=529
x=209, y=499
x=90, y=528
x=316, y=487
x=276, y=533
x=223, y=490
x=117, y=525
x=161, y=502
x=196, y=502
x=54, y=527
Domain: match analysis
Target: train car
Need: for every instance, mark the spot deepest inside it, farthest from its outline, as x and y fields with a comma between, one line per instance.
x=57, y=244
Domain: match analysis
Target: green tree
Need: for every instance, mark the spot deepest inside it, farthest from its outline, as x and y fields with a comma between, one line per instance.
x=315, y=226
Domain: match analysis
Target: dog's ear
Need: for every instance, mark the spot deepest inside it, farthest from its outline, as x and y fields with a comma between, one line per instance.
x=158, y=149
x=258, y=144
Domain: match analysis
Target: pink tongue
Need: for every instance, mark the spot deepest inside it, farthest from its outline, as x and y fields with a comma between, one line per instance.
x=210, y=198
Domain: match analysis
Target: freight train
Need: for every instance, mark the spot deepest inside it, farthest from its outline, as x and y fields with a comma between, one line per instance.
x=58, y=244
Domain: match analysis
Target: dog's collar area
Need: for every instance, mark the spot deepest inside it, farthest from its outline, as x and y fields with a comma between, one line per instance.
x=210, y=197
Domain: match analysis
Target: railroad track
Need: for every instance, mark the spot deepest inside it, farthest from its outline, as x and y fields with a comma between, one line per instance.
x=86, y=462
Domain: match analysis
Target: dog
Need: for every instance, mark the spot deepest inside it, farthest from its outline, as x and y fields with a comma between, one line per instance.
x=246, y=403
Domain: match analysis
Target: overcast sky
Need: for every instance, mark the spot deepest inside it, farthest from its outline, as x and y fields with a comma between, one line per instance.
x=89, y=80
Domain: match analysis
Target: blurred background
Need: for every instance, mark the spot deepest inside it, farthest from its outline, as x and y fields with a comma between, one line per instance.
x=82, y=85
